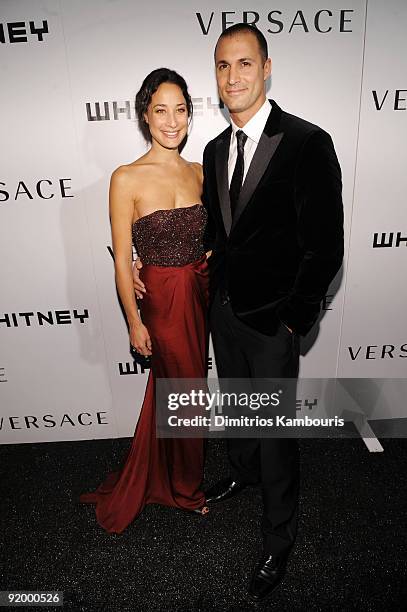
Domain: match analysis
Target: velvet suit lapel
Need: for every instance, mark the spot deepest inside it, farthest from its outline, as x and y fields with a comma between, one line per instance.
x=268, y=143
x=222, y=158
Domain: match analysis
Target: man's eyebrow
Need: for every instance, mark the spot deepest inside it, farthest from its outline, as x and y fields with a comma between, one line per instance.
x=241, y=59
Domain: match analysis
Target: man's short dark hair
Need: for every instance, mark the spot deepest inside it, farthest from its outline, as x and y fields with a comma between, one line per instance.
x=243, y=28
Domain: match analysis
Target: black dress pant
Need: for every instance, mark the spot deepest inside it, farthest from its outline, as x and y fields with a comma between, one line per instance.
x=242, y=352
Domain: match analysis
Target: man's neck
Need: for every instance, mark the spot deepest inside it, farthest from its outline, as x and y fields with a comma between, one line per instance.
x=240, y=119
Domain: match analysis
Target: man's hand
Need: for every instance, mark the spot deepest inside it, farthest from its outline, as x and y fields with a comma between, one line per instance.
x=139, y=287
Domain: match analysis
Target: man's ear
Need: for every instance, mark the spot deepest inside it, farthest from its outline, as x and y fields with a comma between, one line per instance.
x=267, y=68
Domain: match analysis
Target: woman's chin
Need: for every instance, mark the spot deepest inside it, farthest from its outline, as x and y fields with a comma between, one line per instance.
x=170, y=143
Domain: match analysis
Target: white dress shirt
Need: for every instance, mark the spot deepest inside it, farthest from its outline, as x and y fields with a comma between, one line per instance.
x=253, y=130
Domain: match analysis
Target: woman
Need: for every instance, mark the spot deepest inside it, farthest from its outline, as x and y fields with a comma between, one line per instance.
x=156, y=200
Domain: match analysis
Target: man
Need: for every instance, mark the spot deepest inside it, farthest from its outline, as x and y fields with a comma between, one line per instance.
x=272, y=188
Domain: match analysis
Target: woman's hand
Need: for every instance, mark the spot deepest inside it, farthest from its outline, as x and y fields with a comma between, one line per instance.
x=140, y=339
x=138, y=284
x=208, y=254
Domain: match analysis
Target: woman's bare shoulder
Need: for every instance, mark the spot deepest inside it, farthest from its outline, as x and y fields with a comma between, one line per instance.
x=197, y=168
x=129, y=172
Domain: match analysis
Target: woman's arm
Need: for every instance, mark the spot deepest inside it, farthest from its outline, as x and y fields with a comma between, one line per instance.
x=121, y=207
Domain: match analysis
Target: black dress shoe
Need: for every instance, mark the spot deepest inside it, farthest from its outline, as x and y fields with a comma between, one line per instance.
x=267, y=575
x=223, y=490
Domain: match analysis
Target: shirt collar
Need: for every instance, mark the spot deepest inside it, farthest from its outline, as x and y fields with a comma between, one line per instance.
x=255, y=126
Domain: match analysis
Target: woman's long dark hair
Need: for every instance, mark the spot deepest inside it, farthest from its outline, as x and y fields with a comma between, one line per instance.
x=150, y=85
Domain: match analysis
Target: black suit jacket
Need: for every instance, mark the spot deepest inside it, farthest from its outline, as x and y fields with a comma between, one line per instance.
x=285, y=244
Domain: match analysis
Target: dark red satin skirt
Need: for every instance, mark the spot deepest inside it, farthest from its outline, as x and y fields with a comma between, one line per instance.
x=162, y=470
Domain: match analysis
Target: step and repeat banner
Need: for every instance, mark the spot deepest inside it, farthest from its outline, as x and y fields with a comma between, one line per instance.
x=69, y=73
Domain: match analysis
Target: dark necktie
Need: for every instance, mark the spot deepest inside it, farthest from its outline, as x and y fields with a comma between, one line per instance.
x=237, y=178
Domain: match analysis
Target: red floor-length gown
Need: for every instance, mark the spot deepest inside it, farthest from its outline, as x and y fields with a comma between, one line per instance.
x=165, y=471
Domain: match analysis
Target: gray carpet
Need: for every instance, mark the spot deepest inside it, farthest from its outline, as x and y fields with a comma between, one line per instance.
x=351, y=551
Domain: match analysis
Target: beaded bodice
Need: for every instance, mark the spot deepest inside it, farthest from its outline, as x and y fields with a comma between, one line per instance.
x=171, y=237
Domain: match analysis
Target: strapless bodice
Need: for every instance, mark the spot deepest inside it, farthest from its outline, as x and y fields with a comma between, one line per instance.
x=171, y=237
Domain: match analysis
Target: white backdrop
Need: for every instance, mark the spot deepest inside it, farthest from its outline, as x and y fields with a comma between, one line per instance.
x=69, y=74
